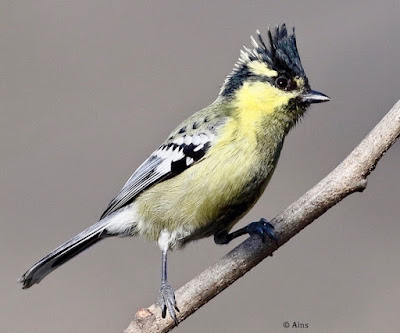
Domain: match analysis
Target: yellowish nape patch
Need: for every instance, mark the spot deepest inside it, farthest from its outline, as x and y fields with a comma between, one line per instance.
x=299, y=82
x=254, y=100
x=260, y=68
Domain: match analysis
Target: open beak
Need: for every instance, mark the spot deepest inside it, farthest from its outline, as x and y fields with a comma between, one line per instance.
x=315, y=97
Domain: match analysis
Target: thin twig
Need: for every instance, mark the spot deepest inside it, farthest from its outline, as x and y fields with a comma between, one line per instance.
x=349, y=177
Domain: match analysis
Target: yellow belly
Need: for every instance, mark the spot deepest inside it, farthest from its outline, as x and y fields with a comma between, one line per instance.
x=227, y=182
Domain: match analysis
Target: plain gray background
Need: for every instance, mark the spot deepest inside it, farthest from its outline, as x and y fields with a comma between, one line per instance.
x=90, y=88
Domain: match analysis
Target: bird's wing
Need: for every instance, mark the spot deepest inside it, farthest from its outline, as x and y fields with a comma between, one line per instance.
x=169, y=160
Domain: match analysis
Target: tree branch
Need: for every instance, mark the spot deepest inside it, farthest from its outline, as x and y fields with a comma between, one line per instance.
x=349, y=177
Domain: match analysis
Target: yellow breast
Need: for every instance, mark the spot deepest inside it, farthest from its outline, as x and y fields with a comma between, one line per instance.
x=200, y=195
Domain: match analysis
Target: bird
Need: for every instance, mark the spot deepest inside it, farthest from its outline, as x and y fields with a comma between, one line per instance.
x=212, y=169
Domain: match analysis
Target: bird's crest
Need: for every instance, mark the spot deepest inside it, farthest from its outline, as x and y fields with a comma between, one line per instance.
x=280, y=56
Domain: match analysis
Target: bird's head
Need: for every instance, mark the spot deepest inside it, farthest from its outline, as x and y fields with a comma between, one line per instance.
x=271, y=78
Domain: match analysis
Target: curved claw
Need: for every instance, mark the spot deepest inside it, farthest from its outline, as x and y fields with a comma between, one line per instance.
x=262, y=228
x=166, y=300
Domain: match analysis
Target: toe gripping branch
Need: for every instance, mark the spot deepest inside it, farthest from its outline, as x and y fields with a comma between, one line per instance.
x=263, y=228
x=166, y=297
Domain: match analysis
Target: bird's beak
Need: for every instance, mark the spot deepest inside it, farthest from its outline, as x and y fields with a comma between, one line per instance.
x=315, y=97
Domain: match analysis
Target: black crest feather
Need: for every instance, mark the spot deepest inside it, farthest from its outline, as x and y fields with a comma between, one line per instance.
x=280, y=55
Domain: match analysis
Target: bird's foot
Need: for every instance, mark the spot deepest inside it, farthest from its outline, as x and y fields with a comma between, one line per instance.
x=166, y=300
x=262, y=228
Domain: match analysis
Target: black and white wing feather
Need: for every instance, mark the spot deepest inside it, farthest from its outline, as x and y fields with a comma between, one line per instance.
x=166, y=162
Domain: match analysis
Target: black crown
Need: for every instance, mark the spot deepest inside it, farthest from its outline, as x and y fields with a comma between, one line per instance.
x=281, y=56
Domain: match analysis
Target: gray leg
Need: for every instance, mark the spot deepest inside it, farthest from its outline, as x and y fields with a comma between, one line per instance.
x=166, y=297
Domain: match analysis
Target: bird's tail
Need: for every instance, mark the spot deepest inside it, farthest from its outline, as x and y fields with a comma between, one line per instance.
x=63, y=253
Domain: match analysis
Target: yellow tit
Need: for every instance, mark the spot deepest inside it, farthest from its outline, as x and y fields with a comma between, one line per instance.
x=212, y=168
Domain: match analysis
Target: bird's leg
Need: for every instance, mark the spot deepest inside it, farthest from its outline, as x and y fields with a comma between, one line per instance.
x=166, y=297
x=262, y=228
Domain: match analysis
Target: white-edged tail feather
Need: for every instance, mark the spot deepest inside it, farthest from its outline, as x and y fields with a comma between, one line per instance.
x=63, y=253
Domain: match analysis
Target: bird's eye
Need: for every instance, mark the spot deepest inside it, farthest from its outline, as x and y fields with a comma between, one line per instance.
x=285, y=84
x=282, y=82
